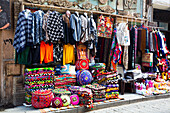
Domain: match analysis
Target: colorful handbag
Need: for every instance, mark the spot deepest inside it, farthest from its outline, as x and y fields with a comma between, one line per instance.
x=57, y=102
x=41, y=99
x=84, y=77
x=82, y=64
x=147, y=60
x=65, y=100
x=81, y=52
x=74, y=99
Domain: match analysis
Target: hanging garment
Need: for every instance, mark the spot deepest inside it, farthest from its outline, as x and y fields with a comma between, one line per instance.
x=39, y=34
x=35, y=54
x=136, y=42
x=132, y=48
x=115, y=52
x=68, y=54
x=101, y=49
x=143, y=41
x=24, y=31
x=162, y=43
x=84, y=28
x=75, y=24
x=125, y=57
x=155, y=36
x=147, y=39
x=45, y=19
x=68, y=38
x=92, y=30
x=46, y=52
x=82, y=52
x=123, y=37
x=151, y=42
x=55, y=28
x=58, y=52
x=106, y=50
x=23, y=57
x=105, y=26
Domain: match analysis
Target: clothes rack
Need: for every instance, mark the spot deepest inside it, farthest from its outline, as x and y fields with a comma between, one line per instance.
x=155, y=27
x=63, y=9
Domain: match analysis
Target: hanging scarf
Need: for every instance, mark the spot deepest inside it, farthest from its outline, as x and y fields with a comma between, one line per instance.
x=115, y=52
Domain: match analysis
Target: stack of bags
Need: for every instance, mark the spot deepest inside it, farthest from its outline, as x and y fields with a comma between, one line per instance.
x=38, y=79
x=85, y=95
x=112, y=86
x=96, y=69
x=64, y=76
x=98, y=92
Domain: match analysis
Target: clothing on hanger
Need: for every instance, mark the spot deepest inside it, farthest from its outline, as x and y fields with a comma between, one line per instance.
x=68, y=54
x=24, y=32
x=39, y=34
x=55, y=28
x=45, y=19
x=84, y=28
x=75, y=24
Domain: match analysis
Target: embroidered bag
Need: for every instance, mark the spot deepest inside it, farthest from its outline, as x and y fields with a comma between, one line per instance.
x=74, y=99
x=147, y=60
x=82, y=64
x=41, y=99
x=57, y=102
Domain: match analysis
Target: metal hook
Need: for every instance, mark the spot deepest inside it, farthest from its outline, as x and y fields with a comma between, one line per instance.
x=132, y=21
x=135, y=21
x=122, y=19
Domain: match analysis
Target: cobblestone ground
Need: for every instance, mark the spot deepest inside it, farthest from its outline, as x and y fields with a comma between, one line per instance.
x=151, y=106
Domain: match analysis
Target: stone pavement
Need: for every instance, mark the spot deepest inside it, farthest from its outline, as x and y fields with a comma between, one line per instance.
x=130, y=101
x=152, y=106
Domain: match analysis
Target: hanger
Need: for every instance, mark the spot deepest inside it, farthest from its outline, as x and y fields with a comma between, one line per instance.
x=85, y=14
x=127, y=21
x=77, y=13
x=68, y=13
x=91, y=14
x=135, y=23
x=132, y=22
x=158, y=29
x=122, y=19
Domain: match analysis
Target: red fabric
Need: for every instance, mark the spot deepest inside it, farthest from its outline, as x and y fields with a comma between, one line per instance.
x=157, y=45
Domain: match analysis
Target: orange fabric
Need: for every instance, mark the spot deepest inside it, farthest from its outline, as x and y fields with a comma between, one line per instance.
x=46, y=52
x=68, y=54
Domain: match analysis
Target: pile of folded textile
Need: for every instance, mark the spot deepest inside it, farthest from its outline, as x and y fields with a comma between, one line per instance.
x=112, y=86
x=64, y=76
x=85, y=94
x=38, y=79
x=98, y=92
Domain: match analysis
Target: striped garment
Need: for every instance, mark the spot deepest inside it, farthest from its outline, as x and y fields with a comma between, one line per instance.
x=24, y=31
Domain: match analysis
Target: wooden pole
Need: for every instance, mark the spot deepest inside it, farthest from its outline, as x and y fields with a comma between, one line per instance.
x=63, y=9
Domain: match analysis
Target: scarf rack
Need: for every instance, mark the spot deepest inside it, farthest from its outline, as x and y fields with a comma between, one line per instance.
x=63, y=9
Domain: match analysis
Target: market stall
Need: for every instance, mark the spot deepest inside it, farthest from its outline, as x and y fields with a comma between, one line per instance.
x=77, y=52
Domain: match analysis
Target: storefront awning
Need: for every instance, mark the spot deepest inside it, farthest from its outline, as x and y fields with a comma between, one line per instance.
x=161, y=4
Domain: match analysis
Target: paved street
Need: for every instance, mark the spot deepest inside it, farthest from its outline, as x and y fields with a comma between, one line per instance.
x=151, y=106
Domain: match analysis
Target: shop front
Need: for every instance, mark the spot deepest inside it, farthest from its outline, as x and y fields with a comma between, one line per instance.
x=70, y=53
